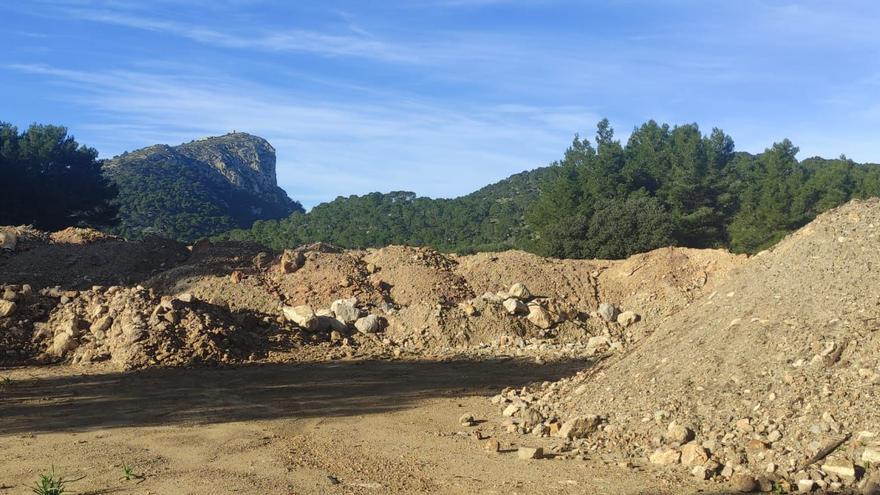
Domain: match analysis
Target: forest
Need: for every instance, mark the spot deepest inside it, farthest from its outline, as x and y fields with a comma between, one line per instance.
x=666, y=186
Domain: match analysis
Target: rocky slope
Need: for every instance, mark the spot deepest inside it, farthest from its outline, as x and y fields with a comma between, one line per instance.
x=770, y=381
x=198, y=188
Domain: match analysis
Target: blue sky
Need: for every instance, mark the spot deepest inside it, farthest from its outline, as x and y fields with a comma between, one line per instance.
x=440, y=96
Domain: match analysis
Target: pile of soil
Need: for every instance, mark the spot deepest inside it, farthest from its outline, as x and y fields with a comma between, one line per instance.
x=80, y=235
x=769, y=382
x=80, y=266
x=427, y=303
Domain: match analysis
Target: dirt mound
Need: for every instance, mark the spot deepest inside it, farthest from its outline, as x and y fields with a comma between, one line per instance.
x=418, y=275
x=79, y=235
x=20, y=238
x=134, y=328
x=79, y=266
x=772, y=378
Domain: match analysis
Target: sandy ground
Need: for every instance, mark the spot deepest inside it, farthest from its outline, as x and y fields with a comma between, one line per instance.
x=338, y=427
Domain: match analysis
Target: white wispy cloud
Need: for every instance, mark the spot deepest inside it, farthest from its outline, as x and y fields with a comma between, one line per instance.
x=324, y=147
x=356, y=43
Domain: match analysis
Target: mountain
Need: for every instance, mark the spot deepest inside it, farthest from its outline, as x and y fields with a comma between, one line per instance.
x=491, y=218
x=198, y=188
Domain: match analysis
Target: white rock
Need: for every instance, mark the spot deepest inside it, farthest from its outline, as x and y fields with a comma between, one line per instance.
x=345, y=310
x=7, y=308
x=539, y=316
x=303, y=316
x=530, y=453
x=520, y=292
x=665, y=456
x=8, y=240
x=627, y=318
x=515, y=306
x=367, y=324
x=607, y=311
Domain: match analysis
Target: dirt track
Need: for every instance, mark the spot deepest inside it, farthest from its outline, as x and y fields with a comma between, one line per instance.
x=288, y=429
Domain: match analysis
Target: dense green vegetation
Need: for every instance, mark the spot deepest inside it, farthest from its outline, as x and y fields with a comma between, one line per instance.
x=51, y=181
x=489, y=219
x=665, y=186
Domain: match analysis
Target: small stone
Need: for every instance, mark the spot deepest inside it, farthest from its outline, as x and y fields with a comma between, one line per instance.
x=367, y=324
x=755, y=447
x=744, y=425
x=519, y=291
x=371, y=268
x=774, y=436
x=467, y=419
x=743, y=483
x=665, y=456
x=530, y=452
x=186, y=297
x=627, y=318
x=806, y=486
x=607, y=311
x=515, y=306
x=7, y=308
x=492, y=445
x=10, y=295
x=235, y=277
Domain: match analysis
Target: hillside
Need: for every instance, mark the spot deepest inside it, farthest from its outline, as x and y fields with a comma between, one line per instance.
x=665, y=186
x=199, y=188
x=491, y=218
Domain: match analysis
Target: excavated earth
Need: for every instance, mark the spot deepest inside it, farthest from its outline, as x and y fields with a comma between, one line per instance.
x=322, y=370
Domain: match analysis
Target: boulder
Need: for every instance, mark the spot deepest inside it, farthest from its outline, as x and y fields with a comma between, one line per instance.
x=694, y=455
x=292, y=261
x=840, y=467
x=540, y=317
x=665, y=456
x=62, y=344
x=367, y=324
x=679, y=434
x=743, y=483
x=302, y=316
x=520, y=291
x=608, y=312
x=515, y=306
x=346, y=310
x=871, y=454
x=8, y=240
x=530, y=453
x=7, y=308
x=627, y=318
x=579, y=427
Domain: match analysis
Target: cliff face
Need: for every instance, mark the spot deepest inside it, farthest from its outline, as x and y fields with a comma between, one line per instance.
x=199, y=188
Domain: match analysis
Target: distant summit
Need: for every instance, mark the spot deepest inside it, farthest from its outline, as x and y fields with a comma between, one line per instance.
x=198, y=188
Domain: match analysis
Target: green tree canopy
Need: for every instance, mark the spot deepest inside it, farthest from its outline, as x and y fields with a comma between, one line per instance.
x=51, y=181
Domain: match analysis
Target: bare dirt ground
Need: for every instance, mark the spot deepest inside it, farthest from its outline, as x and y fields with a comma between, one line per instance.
x=328, y=427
